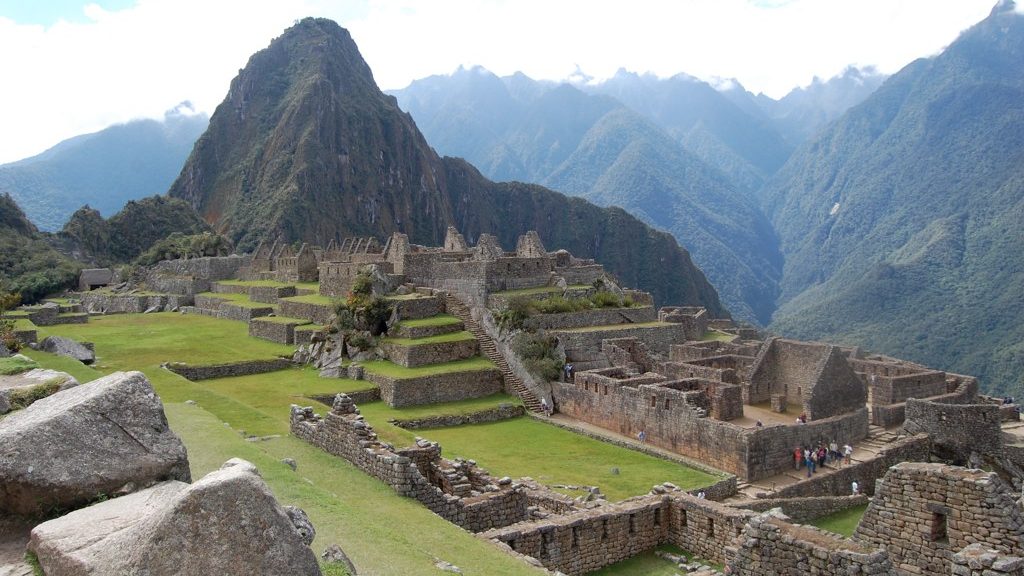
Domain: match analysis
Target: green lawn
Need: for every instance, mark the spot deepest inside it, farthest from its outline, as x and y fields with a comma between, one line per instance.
x=439, y=320
x=378, y=414
x=385, y=368
x=449, y=337
x=843, y=522
x=313, y=299
x=80, y=371
x=551, y=455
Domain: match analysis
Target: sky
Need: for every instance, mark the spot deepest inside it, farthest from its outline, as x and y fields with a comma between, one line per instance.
x=71, y=67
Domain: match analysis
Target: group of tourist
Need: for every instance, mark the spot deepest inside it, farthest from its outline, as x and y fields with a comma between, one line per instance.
x=814, y=457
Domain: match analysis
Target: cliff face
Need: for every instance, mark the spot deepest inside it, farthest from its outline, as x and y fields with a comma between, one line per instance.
x=305, y=147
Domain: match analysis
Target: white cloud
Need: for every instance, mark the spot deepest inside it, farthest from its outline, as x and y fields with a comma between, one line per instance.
x=71, y=78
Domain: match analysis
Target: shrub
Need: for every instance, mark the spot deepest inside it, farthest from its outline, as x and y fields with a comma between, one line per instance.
x=363, y=284
x=539, y=353
x=605, y=299
x=361, y=341
x=513, y=316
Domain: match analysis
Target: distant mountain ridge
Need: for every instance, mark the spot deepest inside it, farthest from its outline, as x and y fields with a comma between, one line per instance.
x=591, y=145
x=104, y=169
x=901, y=223
x=306, y=147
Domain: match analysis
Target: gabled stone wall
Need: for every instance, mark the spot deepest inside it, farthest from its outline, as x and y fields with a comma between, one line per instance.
x=924, y=513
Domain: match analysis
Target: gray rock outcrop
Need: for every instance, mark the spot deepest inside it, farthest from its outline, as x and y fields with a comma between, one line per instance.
x=226, y=523
x=42, y=382
x=105, y=438
x=67, y=347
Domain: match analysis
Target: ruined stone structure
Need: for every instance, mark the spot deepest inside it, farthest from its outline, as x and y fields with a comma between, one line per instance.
x=924, y=513
x=471, y=273
x=458, y=491
x=281, y=263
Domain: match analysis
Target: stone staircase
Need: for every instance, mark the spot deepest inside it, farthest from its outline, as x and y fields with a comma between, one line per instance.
x=490, y=350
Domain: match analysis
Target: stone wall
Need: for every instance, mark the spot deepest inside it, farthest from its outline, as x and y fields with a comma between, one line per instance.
x=840, y=481
x=956, y=430
x=769, y=545
x=598, y=317
x=315, y=313
x=270, y=294
x=579, y=275
x=195, y=275
x=274, y=329
x=196, y=373
x=804, y=509
x=658, y=338
x=232, y=311
x=108, y=303
x=580, y=542
x=704, y=527
x=924, y=513
x=500, y=412
x=770, y=449
x=812, y=377
x=450, y=387
x=429, y=353
x=415, y=308
x=976, y=560
x=418, y=472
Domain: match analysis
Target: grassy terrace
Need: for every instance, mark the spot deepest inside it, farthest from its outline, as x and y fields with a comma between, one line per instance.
x=843, y=522
x=313, y=299
x=618, y=327
x=382, y=532
x=439, y=320
x=385, y=368
x=13, y=365
x=450, y=337
x=228, y=296
x=24, y=324
x=717, y=336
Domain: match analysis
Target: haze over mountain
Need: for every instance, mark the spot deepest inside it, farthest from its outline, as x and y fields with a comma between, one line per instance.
x=306, y=147
x=104, y=169
x=901, y=224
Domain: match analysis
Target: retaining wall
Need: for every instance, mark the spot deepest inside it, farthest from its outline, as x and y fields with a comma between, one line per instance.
x=598, y=317
x=450, y=387
x=243, y=368
x=430, y=353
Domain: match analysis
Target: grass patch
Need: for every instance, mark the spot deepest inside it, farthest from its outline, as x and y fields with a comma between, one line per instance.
x=250, y=304
x=23, y=324
x=378, y=414
x=439, y=320
x=227, y=296
x=14, y=365
x=618, y=327
x=392, y=370
x=33, y=561
x=645, y=564
x=317, y=299
x=530, y=291
x=440, y=338
x=15, y=315
x=843, y=522
x=717, y=336
x=24, y=397
x=552, y=455
x=314, y=286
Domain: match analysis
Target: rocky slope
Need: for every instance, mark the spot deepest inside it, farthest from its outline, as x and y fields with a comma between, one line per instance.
x=306, y=147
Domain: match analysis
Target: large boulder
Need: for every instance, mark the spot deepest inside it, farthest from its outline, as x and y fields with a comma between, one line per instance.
x=19, y=390
x=105, y=438
x=67, y=347
x=226, y=523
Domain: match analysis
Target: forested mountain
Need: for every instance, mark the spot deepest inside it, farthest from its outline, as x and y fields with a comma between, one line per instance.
x=593, y=146
x=104, y=169
x=28, y=264
x=306, y=147
x=901, y=224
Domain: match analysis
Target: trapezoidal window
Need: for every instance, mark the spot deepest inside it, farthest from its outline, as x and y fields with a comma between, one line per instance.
x=654, y=401
x=711, y=526
x=939, y=531
x=682, y=518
